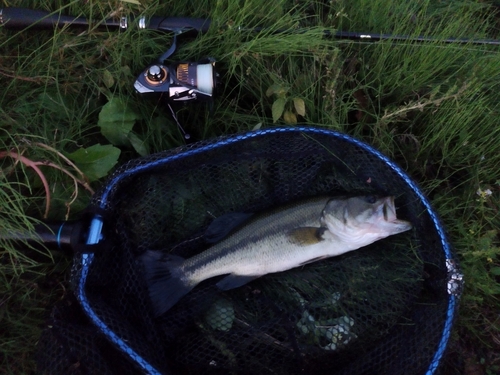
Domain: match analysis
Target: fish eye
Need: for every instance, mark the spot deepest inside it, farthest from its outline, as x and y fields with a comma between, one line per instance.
x=370, y=199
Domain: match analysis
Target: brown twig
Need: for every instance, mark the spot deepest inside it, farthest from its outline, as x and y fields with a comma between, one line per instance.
x=29, y=79
x=47, y=147
x=34, y=166
x=83, y=181
x=423, y=103
x=74, y=195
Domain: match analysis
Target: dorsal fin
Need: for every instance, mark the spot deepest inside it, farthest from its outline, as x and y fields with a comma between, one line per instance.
x=224, y=225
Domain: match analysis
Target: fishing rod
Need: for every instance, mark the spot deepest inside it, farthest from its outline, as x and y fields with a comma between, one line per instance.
x=20, y=18
x=187, y=81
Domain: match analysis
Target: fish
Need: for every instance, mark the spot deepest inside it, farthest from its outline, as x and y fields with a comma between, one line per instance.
x=275, y=241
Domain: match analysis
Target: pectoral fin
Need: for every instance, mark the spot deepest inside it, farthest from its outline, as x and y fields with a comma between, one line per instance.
x=306, y=235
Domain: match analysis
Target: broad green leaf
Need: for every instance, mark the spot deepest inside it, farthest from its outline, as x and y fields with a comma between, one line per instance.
x=95, y=161
x=108, y=79
x=272, y=89
x=116, y=120
x=277, y=89
x=289, y=117
x=278, y=108
x=300, y=106
x=495, y=271
x=138, y=144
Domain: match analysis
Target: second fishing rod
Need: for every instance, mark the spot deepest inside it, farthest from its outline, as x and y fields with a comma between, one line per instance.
x=21, y=18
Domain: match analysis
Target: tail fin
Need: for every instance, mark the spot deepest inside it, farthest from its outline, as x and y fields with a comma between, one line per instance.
x=167, y=282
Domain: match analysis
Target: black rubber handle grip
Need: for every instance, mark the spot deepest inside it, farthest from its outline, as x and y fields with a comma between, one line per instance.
x=179, y=24
x=65, y=236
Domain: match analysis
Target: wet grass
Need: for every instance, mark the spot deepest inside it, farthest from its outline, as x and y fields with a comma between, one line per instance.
x=432, y=107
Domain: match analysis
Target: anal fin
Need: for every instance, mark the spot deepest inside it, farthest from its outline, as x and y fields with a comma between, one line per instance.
x=234, y=281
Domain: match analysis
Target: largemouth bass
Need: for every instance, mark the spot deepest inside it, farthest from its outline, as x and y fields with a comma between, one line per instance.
x=276, y=241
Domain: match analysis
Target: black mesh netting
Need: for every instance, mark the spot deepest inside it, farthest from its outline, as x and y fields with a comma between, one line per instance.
x=383, y=309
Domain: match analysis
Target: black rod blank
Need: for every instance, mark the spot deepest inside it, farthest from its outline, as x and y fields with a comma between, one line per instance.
x=19, y=18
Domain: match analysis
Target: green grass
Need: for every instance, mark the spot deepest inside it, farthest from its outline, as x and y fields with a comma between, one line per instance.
x=431, y=107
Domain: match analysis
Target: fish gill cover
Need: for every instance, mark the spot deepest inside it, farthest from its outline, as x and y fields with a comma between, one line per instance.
x=384, y=309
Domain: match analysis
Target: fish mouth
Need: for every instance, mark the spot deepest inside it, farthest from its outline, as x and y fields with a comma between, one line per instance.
x=389, y=210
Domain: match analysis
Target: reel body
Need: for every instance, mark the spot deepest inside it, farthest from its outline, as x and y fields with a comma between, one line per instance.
x=185, y=81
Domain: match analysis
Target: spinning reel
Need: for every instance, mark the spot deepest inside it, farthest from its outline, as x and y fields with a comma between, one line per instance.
x=180, y=81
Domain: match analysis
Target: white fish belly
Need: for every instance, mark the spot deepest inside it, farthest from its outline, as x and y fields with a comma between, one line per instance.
x=266, y=256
